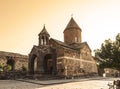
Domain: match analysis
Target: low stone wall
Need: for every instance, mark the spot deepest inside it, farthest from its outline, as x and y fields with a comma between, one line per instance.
x=76, y=67
x=13, y=74
x=17, y=59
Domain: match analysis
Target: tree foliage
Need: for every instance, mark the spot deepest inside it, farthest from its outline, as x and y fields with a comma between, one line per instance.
x=108, y=56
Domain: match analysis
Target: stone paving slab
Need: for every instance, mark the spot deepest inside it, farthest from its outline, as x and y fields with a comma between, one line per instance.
x=59, y=81
x=13, y=84
x=94, y=84
x=88, y=83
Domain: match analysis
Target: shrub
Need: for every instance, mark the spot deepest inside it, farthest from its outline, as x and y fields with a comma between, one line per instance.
x=7, y=68
x=24, y=68
x=1, y=68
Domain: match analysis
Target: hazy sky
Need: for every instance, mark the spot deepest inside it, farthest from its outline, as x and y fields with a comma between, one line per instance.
x=22, y=20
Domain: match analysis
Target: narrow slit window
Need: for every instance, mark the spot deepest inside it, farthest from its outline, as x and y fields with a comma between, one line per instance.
x=76, y=39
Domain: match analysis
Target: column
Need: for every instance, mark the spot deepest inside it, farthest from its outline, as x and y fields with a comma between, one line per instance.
x=47, y=39
x=40, y=39
x=54, y=57
x=30, y=66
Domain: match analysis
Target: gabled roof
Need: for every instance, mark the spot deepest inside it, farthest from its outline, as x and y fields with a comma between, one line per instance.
x=72, y=24
x=44, y=31
x=61, y=43
x=81, y=45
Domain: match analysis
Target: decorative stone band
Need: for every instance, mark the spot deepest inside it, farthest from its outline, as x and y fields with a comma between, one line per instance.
x=71, y=58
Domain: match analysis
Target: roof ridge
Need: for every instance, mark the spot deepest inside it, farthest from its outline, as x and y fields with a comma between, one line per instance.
x=72, y=24
x=44, y=31
x=62, y=43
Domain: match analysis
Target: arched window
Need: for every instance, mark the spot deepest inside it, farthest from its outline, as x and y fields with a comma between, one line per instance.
x=42, y=40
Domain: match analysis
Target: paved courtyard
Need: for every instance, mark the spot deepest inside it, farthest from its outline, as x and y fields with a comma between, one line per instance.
x=87, y=83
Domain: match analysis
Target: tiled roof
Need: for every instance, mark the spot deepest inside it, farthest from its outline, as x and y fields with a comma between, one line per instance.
x=72, y=24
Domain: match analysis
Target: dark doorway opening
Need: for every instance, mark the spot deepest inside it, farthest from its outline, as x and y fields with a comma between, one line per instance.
x=11, y=62
x=48, y=64
x=33, y=64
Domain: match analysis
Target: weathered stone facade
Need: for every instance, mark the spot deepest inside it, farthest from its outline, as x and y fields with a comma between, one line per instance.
x=69, y=58
x=75, y=62
x=15, y=60
x=48, y=65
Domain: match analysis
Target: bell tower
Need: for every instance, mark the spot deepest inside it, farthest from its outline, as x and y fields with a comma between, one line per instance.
x=72, y=32
x=44, y=37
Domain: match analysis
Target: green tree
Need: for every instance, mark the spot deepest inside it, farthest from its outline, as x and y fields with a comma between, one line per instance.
x=108, y=56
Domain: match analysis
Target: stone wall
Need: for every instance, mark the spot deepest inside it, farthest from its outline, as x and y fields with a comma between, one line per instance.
x=111, y=72
x=71, y=53
x=75, y=63
x=19, y=60
x=59, y=49
x=76, y=67
x=69, y=35
x=3, y=61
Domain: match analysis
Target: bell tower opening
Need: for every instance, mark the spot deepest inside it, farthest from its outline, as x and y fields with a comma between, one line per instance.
x=44, y=37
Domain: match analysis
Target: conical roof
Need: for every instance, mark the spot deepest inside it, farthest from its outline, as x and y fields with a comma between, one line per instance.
x=44, y=31
x=72, y=24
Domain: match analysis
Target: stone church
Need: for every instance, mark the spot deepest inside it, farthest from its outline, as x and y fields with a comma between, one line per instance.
x=69, y=58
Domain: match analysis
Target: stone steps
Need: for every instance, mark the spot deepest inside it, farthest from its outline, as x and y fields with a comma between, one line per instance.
x=43, y=77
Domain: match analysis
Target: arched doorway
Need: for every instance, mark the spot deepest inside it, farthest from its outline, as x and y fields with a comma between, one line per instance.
x=33, y=64
x=46, y=60
x=48, y=64
x=11, y=62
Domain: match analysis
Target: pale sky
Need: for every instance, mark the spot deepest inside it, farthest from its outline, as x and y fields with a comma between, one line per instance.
x=22, y=20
